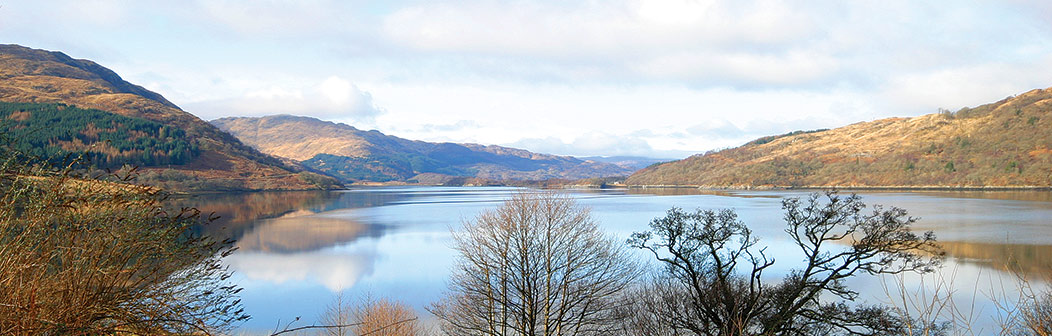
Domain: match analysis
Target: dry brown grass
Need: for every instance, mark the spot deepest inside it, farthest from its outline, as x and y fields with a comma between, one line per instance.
x=297, y=139
x=999, y=144
x=85, y=258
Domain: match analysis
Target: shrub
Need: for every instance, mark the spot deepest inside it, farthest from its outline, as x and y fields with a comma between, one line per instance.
x=84, y=257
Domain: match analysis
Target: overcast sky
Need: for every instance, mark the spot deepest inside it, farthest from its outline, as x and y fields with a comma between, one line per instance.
x=655, y=78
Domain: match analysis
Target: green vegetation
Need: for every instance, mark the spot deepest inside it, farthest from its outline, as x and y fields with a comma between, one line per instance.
x=380, y=168
x=54, y=132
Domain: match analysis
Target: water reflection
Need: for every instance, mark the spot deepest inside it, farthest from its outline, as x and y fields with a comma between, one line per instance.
x=304, y=233
x=299, y=248
x=336, y=270
x=1031, y=261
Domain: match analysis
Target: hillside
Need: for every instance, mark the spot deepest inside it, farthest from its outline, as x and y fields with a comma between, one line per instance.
x=198, y=156
x=355, y=155
x=1002, y=144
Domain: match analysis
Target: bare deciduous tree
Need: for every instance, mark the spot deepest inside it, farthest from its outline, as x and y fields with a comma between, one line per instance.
x=538, y=265
x=713, y=281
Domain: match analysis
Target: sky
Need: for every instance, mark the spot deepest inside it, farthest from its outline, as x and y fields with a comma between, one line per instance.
x=664, y=79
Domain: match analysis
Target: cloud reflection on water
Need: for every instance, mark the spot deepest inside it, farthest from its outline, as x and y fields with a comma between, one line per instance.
x=336, y=270
x=308, y=246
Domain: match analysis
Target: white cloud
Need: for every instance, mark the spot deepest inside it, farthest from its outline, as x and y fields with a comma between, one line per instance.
x=98, y=12
x=593, y=144
x=791, y=67
x=332, y=98
x=591, y=28
x=626, y=75
x=717, y=128
x=958, y=87
x=337, y=90
x=272, y=17
x=744, y=44
x=275, y=93
x=603, y=41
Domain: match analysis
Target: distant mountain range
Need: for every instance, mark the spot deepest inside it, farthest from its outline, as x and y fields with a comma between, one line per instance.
x=56, y=105
x=628, y=162
x=354, y=155
x=1003, y=144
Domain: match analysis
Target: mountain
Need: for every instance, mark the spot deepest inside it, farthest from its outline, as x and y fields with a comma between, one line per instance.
x=62, y=105
x=357, y=156
x=628, y=162
x=1002, y=144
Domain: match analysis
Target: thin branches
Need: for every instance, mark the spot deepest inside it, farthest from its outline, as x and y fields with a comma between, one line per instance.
x=538, y=265
x=713, y=280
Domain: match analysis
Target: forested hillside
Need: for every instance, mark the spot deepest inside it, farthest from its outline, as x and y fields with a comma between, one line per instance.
x=87, y=105
x=54, y=132
x=1002, y=144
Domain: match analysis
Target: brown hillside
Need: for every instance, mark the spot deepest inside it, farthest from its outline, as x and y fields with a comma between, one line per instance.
x=39, y=76
x=300, y=138
x=369, y=156
x=1003, y=144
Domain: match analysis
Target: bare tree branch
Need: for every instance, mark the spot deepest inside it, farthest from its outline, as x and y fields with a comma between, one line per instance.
x=538, y=265
x=713, y=279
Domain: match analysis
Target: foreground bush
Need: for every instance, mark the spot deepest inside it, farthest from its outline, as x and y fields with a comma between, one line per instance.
x=79, y=256
x=374, y=317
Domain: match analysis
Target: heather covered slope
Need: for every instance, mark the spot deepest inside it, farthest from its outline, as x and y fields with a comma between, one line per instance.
x=1002, y=144
x=355, y=155
x=221, y=163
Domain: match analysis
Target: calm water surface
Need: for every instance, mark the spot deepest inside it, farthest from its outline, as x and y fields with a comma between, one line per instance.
x=299, y=249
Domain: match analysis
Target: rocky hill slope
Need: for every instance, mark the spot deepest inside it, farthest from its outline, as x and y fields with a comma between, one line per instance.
x=357, y=156
x=219, y=161
x=1002, y=144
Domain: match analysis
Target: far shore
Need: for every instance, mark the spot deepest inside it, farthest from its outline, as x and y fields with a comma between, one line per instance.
x=572, y=185
x=851, y=187
x=557, y=184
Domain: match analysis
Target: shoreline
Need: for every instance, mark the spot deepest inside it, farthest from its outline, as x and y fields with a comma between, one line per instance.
x=645, y=187
x=902, y=188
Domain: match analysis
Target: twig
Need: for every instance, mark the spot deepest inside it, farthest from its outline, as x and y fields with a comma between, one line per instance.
x=313, y=326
